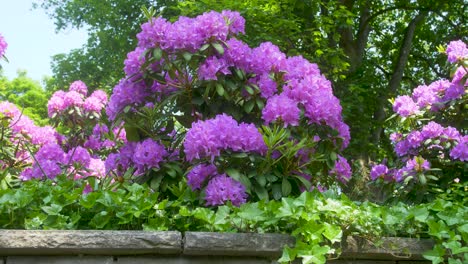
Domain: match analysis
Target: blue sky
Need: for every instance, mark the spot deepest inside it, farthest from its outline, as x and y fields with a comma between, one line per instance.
x=32, y=39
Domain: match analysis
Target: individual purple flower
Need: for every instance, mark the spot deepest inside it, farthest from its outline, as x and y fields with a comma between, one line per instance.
x=238, y=53
x=199, y=174
x=134, y=61
x=451, y=133
x=455, y=90
x=297, y=68
x=342, y=170
x=78, y=155
x=208, y=138
x=43, y=135
x=456, y=50
x=405, y=106
x=402, y=148
x=73, y=98
x=211, y=67
x=153, y=33
x=378, y=171
x=3, y=46
x=93, y=104
x=56, y=103
x=460, y=151
x=148, y=154
x=79, y=87
x=211, y=26
x=126, y=93
x=100, y=95
x=222, y=188
x=96, y=168
x=432, y=130
x=414, y=139
x=417, y=164
x=51, y=151
x=283, y=108
x=46, y=168
x=267, y=57
x=235, y=21
x=268, y=87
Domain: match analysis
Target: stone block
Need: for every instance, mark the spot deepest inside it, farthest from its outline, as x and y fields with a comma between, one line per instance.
x=190, y=260
x=236, y=244
x=59, y=260
x=88, y=242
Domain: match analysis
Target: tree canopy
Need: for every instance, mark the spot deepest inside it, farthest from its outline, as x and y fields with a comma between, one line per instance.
x=26, y=94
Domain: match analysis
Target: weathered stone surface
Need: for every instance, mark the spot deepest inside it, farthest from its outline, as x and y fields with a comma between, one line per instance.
x=60, y=260
x=190, y=260
x=361, y=262
x=236, y=244
x=389, y=248
x=92, y=242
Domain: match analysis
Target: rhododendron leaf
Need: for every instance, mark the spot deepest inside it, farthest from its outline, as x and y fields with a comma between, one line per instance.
x=157, y=54
x=249, y=89
x=218, y=47
x=261, y=179
x=261, y=192
x=198, y=100
x=260, y=103
x=249, y=105
x=219, y=89
x=204, y=47
x=276, y=190
x=132, y=133
x=286, y=187
x=187, y=56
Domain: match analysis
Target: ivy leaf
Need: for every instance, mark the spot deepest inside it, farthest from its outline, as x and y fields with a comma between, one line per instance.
x=436, y=255
x=54, y=209
x=333, y=233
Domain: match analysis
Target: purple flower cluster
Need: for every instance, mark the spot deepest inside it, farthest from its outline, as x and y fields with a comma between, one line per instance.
x=414, y=141
x=413, y=166
x=190, y=33
x=23, y=128
x=208, y=138
x=222, y=188
x=3, y=46
x=143, y=156
x=436, y=94
x=199, y=174
x=460, y=151
x=148, y=154
x=456, y=50
x=50, y=161
x=342, y=170
x=283, y=108
x=62, y=101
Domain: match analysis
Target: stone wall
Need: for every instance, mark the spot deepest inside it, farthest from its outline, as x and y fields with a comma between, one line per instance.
x=132, y=247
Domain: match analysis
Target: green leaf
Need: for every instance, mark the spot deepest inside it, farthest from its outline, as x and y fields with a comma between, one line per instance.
x=54, y=209
x=436, y=255
x=219, y=89
x=187, y=56
x=218, y=47
x=157, y=54
x=421, y=214
x=333, y=233
x=249, y=105
x=286, y=187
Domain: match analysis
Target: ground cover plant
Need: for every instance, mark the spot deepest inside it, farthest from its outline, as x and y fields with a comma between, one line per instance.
x=207, y=133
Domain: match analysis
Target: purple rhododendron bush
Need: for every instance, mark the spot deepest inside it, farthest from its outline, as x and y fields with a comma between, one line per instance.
x=198, y=106
x=429, y=134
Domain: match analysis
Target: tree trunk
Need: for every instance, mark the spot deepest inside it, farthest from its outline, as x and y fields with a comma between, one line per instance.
x=397, y=76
